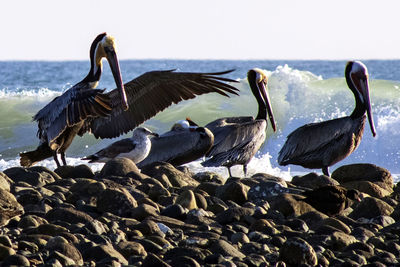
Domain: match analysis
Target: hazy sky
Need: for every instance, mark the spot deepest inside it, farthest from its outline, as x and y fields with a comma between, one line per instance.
x=205, y=29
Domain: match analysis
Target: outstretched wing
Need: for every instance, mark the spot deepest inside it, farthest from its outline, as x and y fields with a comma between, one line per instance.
x=151, y=93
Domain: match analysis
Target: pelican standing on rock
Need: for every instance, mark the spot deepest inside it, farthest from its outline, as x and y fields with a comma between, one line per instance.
x=320, y=145
x=237, y=139
x=83, y=109
x=135, y=148
x=64, y=117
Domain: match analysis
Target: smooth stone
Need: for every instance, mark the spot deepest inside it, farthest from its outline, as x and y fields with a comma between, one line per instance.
x=339, y=225
x=48, y=229
x=193, y=252
x=187, y=200
x=30, y=176
x=363, y=172
x=239, y=238
x=5, y=252
x=28, y=196
x=340, y=240
x=16, y=260
x=368, y=187
x=175, y=211
x=371, y=207
x=233, y=215
x=153, y=260
x=118, y=167
x=5, y=240
x=209, y=177
x=296, y=251
x=176, y=177
x=78, y=171
x=225, y=249
x=100, y=252
x=209, y=187
x=64, y=260
x=131, y=248
x=201, y=201
x=235, y=191
x=313, y=180
x=29, y=246
x=68, y=215
x=184, y=261
x=117, y=201
x=157, y=191
x=5, y=181
x=9, y=207
x=289, y=206
x=143, y=211
x=266, y=189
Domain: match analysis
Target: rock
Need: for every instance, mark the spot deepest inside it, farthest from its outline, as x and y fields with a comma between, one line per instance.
x=209, y=177
x=117, y=201
x=68, y=215
x=296, y=251
x=184, y=261
x=152, y=260
x=289, y=206
x=239, y=238
x=118, y=167
x=369, y=188
x=363, y=172
x=16, y=260
x=266, y=189
x=143, y=211
x=5, y=252
x=64, y=260
x=224, y=248
x=233, y=215
x=5, y=181
x=337, y=224
x=131, y=248
x=175, y=211
x=79, y=171
x=9, y=207
x=340, y=240
x=371, y=207
x=187, y=200
x=313, y=180
x=313, y=218
x=100, y=252
x=5, y=240
x=176, y=177
x=29, y=175
x=209, y=187
x=235, y=191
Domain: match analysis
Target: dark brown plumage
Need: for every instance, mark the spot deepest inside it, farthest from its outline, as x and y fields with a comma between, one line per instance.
x=331, y=199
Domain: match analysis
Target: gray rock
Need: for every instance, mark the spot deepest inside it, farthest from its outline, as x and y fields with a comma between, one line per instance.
x=143, y=211
x=79, y=171
x=313, y=180
x=296, y=251
x=235, y=191
x=371, y=207
x=233, y=215
x=68, y=215
x=239, y=238
x=224, y=248
x=266, y=189
x=5, y=181
x=5, y=252
x=30, y=176
x=152, y=260
x=118, y=167
x=131, y=248
x=289, y=205
x=117, y=201
x=340, y=240
x=9, y=207
x=16, y=260
x=187, y=200
x=98, y=253
x=369, y=188
x=5, y=240
x=209, y=177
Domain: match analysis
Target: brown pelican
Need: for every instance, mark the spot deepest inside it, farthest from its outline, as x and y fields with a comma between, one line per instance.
x=237, y=139
x=64, y=117
x=105, y=115
x=331, y=199
x=320, y=145
x=185, y=142
x=135, y=148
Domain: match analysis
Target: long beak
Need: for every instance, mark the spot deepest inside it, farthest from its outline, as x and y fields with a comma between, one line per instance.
x=265, y=96
x=365, y=90
x=114, y=65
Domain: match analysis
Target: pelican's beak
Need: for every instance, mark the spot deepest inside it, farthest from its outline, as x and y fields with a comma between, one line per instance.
x=367, y=102
x=114, y=65
x=263, y=89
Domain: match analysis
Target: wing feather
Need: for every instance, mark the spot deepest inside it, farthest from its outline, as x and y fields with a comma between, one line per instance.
x=151, y=93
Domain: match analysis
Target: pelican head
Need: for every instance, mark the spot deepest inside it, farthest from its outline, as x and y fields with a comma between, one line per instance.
x=104, y=47
x=258, y=82
x=357, y=79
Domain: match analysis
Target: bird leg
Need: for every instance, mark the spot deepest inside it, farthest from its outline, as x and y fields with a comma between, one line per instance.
x=63, y=158
x=56, y=159
x=245, y=170
x=325, y=170
x=229, y=170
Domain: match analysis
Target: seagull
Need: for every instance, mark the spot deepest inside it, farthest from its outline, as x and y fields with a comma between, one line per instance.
x=135, y=148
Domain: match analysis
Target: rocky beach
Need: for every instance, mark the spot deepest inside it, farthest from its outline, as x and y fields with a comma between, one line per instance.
x=164, y=216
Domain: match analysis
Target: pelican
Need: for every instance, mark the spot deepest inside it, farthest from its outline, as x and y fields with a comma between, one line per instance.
x=185, y=142
x=64, y=117
x=135, y=148
x=237, y=139
x=106, y=115
x=320, y=145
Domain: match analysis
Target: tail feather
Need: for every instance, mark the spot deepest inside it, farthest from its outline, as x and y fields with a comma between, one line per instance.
x=43, y=151
x=216, y=161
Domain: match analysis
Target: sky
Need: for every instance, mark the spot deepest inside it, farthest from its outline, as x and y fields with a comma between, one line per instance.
x=206, y=29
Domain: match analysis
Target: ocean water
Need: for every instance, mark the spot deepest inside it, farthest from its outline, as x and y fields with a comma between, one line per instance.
x=301, y=92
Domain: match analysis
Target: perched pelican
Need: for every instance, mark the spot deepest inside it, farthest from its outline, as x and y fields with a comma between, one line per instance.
x=237, y=139
x=320, y=145
x=106, y=115
x=135, y=148
x=185, y=142
x=64, y=117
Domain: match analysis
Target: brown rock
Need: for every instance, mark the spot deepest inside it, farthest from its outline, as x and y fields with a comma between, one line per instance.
x=187, y=200
x=5, y=181
x=296, y=251
x=289, y=206
x=369, y=188
x=313, y=180
x=117, y=201
x=79, y=171
x=9, y=207
x=118, y=167
x=235, y=191
x=371, y=207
